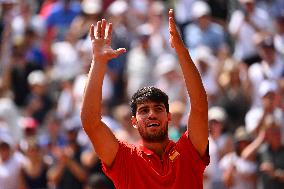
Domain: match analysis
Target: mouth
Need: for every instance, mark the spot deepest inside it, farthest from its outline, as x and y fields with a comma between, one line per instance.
x=153, y=125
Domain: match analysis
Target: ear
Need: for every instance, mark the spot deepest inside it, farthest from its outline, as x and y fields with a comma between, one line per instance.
x=169, y=117
x=134, y=122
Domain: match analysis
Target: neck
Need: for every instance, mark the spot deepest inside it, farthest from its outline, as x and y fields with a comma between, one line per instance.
x=157, y=147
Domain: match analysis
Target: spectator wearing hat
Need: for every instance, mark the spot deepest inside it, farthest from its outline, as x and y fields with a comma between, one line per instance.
x=202, y=31
x=270, y=68
x=256, y=116
x=221, y=143
x=29, y=128
x=39, y=101
x=238, y=172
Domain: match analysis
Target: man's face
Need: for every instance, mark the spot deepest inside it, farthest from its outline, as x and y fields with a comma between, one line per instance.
x=152, y=121
x=4, y=151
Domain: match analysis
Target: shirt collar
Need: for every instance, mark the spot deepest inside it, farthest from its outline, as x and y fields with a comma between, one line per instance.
x=150, y=152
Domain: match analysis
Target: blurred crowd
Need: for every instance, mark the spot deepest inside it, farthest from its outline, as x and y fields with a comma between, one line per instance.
x=45, y=55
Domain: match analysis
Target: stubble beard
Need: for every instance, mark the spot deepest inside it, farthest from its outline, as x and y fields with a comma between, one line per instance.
x=159, y=136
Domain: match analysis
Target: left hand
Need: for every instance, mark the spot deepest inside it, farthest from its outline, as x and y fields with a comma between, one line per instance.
x=175, y=38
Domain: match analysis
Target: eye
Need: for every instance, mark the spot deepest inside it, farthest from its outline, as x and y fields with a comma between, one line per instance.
x=143, y=110
x=159, y=109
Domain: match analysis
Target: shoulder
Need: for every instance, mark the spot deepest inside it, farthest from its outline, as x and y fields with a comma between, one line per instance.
x=186, y=148
x=126, y=153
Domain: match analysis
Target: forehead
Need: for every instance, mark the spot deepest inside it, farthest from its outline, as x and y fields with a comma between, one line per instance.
x=149, y=103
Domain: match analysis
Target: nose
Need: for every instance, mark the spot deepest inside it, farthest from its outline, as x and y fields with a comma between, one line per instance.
x=152, y=113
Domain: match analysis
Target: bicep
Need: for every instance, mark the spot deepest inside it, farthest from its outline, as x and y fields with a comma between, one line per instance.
x=104, y=142
x=198, y=130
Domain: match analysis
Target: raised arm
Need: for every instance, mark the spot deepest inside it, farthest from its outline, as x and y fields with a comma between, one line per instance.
x=103, y=140
x=197, y=125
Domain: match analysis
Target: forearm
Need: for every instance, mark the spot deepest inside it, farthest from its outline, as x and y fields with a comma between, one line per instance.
x=197, y=125
x=195, y=89
x=250, y=151
x=92, y=98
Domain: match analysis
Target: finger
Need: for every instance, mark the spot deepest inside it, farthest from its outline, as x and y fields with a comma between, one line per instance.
x=103, y=28
x=92, y=29
x=99, y=29
x=171, y=13
x=172, y=25
x=109, y=33
x=120, y=51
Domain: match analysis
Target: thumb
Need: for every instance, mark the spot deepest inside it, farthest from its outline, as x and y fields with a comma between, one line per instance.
x=118, y=52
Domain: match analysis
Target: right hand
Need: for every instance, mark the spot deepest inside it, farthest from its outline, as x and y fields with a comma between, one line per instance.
x=175, y=38
x=101, y=43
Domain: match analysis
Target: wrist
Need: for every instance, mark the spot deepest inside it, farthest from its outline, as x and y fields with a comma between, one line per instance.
x=99, y=59
x=99, y=63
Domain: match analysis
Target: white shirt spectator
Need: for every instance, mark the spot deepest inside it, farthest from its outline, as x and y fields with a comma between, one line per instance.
x=260, y=71
x=244, y=46
x=241, y=167
x=10, y=170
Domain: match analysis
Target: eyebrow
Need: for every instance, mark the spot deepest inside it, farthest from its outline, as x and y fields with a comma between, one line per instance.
x=155, y=106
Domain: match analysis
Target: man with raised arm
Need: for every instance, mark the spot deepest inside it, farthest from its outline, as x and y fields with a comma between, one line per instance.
x=158, y=163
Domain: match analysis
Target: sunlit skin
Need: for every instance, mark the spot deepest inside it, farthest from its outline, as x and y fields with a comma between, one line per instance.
x=152, y=121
